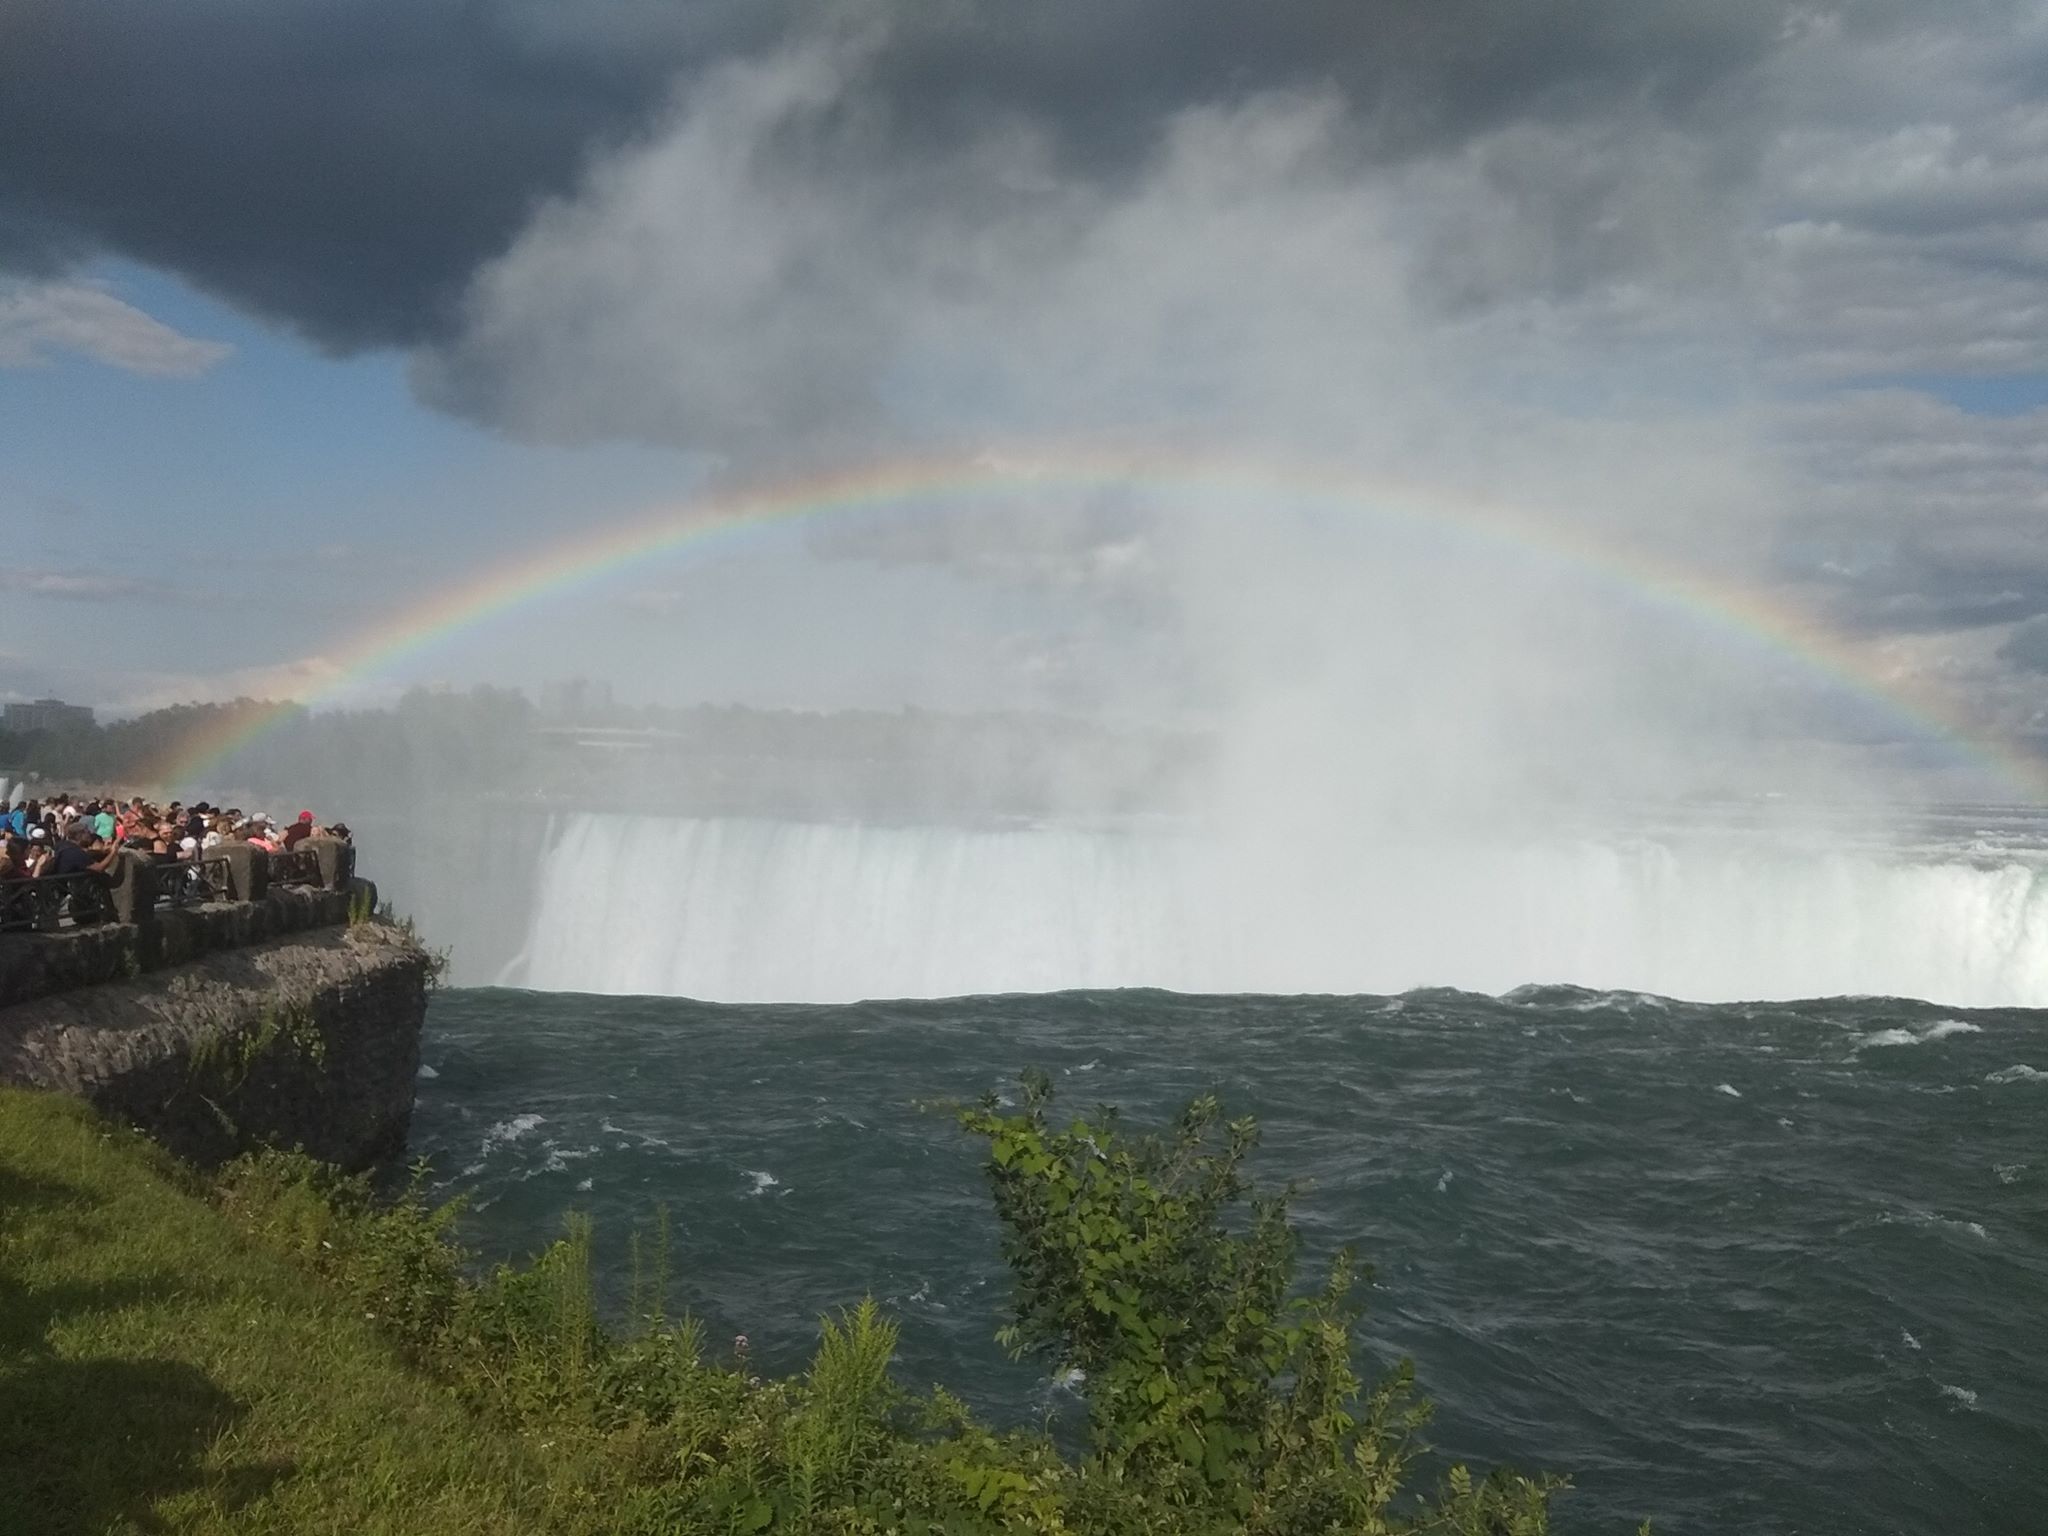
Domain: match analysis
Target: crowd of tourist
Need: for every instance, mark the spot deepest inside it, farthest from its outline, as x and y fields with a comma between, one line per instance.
x=71, y=835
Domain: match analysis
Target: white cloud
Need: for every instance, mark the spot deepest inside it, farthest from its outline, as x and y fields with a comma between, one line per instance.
x=74, y=586
x=37, y=318
x=1592, y=316
x=1902, y=202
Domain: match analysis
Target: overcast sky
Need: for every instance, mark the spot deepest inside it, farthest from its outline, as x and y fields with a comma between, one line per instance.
x=309, y=309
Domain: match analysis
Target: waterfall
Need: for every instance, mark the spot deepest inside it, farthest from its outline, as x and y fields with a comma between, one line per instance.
x=788, y=911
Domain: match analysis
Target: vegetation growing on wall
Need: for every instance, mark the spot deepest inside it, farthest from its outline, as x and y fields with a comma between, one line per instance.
x=226, y=1051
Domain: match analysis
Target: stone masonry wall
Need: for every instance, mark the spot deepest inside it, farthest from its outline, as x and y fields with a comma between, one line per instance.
x=309, y=1040
x=34, y=965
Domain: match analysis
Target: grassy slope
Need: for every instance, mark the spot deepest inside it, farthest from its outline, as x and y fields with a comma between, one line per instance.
x=160, y=1373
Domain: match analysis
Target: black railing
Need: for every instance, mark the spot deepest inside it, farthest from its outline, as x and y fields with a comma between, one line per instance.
x=299, y=866
x=46, y=902
x=218, y=876
x=174, y=882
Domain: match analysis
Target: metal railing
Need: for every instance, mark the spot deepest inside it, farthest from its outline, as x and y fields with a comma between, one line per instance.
x=218, y=876
x=174, y=882
x=47, y=902
x=299, y=866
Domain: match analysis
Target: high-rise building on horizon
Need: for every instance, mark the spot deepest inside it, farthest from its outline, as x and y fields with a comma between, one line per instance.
x=45, y=715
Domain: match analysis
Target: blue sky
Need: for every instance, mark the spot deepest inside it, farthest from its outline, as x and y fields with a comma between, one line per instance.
x=285, y=501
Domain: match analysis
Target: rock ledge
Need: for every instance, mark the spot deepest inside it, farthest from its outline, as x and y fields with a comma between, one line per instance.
x=311, y=1040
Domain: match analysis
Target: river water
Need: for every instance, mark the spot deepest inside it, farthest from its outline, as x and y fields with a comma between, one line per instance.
x=1746, y=1267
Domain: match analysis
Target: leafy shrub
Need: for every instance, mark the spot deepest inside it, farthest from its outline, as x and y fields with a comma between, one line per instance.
x=392, y=1258
x=1208, y=1385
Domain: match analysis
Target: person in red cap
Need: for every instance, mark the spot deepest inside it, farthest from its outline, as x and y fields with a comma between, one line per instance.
x=299, y=830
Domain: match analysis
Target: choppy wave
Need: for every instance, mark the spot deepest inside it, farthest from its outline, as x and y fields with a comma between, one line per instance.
x=1941, y=1029
x=2017, y=1074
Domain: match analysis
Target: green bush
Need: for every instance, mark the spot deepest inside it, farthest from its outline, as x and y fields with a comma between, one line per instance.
x=1218, y=1401
x=1210, y=1388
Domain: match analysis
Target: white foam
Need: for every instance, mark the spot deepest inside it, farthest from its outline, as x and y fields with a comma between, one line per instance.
x=1962, y=1395
x=2017, y=1074
x=763, y=1181
x=2008, y=1173
x=1908, y=1340
x=511, y=1130
x=1888, y=1037
x=1947, y=1027
x=1600, y=1002
x=1935, y=1219
x=1941, y=1029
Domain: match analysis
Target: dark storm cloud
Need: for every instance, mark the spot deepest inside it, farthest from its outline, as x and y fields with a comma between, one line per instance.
x=1918, y=515
x=346, y=167
x=340, y=167
x=1418, y=73
x=2027, y=646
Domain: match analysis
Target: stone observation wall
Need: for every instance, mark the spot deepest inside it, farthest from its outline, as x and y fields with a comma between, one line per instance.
x=291, y=1019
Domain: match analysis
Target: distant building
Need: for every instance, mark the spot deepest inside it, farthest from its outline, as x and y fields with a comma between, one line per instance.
x=577, y=701
x=46, y=715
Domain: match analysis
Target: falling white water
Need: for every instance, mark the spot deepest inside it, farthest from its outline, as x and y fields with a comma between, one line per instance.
x=787, y=911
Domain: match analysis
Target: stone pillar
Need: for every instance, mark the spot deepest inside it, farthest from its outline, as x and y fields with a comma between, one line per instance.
x=248, y=870
x=336, y=858
x=362, y=897
x=131, y=882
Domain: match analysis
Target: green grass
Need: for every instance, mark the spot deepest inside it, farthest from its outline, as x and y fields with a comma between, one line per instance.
x=160, y=1371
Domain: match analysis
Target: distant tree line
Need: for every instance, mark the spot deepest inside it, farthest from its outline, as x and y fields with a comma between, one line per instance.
x=126, y=751
x=434, y=745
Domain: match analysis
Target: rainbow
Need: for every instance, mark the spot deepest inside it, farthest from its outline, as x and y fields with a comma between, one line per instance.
x=1743, y=617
